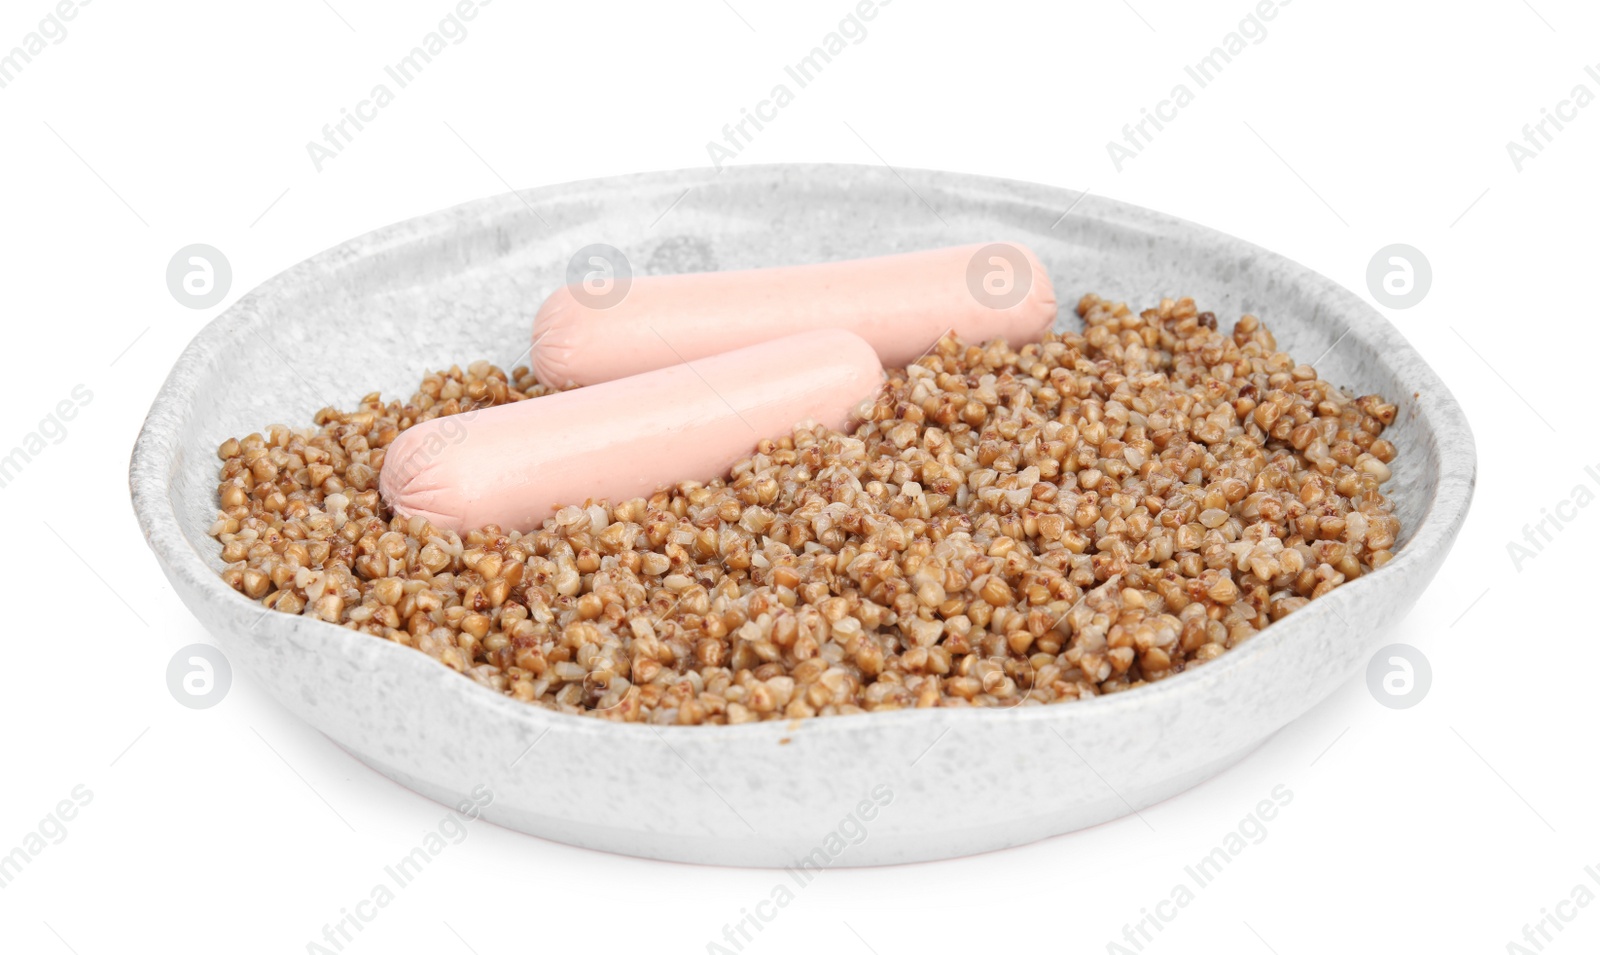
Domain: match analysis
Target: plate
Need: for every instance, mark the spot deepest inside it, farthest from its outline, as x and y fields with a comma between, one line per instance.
x=454, y=286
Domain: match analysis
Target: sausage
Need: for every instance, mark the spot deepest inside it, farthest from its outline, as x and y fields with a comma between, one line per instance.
x=514, y=465
x=901, y=304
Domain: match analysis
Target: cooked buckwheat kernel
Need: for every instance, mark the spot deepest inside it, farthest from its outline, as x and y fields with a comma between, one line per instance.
x=1084, y=516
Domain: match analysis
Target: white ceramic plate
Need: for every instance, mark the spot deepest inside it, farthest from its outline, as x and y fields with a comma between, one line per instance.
x=463, y=284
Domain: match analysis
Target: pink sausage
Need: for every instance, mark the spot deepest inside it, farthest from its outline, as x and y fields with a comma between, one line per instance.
x=901, y=304
x=514, y=465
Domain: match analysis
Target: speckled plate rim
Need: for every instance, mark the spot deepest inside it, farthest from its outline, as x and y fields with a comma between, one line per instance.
x=155, y=457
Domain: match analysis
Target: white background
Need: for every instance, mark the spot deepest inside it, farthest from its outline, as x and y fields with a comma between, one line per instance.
x=1446, y=827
